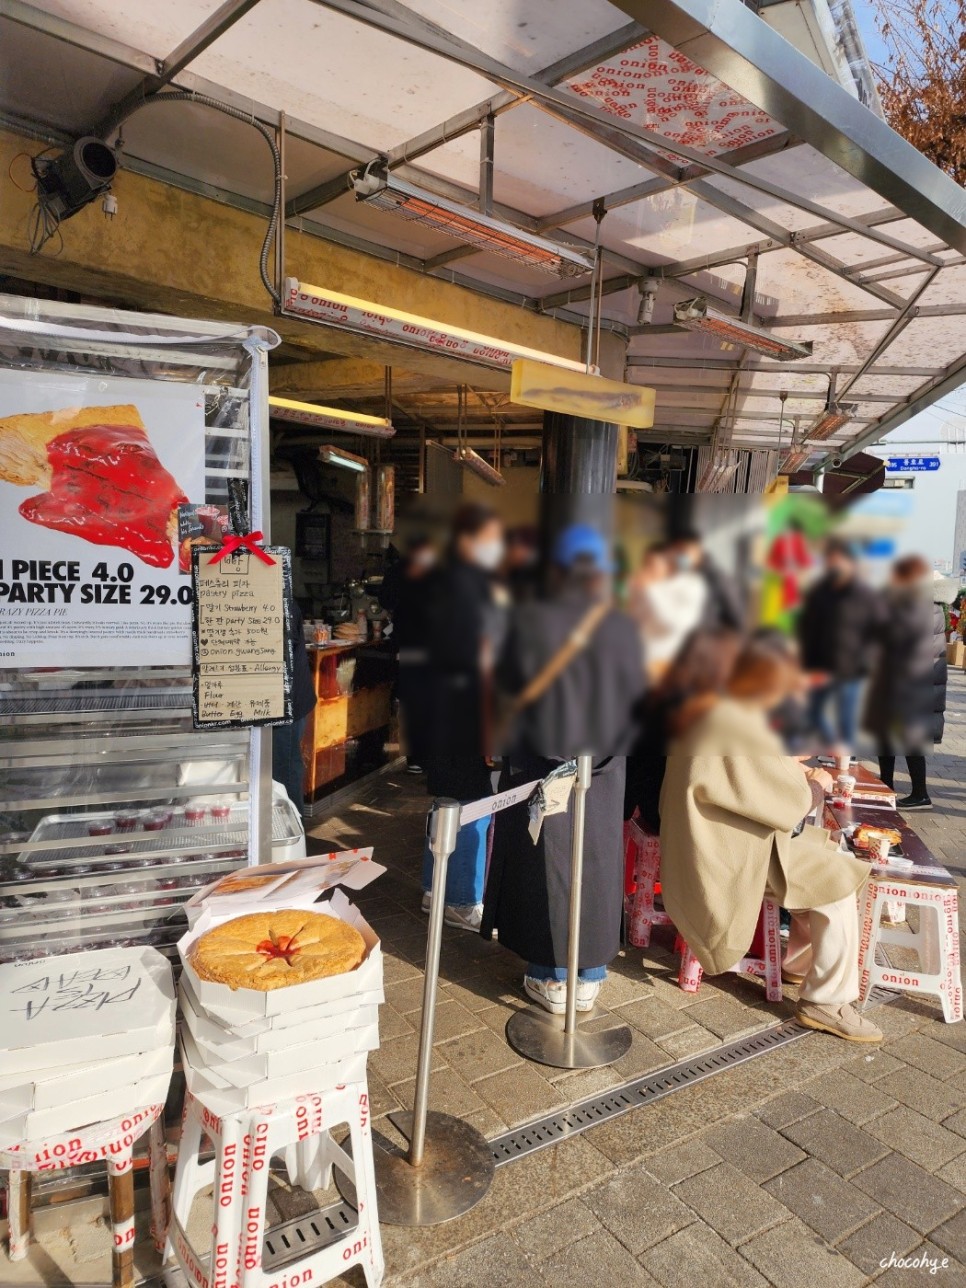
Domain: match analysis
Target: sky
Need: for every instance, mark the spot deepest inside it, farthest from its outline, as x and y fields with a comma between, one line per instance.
x=931, y=527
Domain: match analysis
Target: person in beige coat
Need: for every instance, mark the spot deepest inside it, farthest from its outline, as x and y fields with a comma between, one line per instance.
x=730, y=803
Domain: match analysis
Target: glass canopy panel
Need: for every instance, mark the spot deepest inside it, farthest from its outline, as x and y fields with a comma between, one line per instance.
x=667, y=227
x=155, y=28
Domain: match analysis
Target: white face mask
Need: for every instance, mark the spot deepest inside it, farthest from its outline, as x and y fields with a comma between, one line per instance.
x=424, y=558
x=488, y=553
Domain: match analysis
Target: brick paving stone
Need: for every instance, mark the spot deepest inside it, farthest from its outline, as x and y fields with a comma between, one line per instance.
x=937, y=1058
x=692, y=1040
x=391, y=1023
x=867, y=1247
x=653, y=1017
x=584, y=1083
x=873, y=1065
x=789, y=1107
x=922, y=1092
x=917, y=1137
x=753, y=1148
x=827, y=1204
x=727, y=1018
x=680, y=1161
x=835, y=1142
x=454, y=1021
x=637, y=1209
x=855, y=1100
x=554, y=1230
x=730, y=1203
x=406, y=995
x=696, y=1255
x=791, y=1256
x=395, y=1061
x=449, y=1094
x=395, y=969
x=478, y=1055
x=951, y=1236
x=956, y=1122
x=666, y=988
x=921, y=1200
x=519, y=1094
x=599, y=1259
x=642, y=1056
x=953, y=1035
x=954, y=1173
x=496, y=1260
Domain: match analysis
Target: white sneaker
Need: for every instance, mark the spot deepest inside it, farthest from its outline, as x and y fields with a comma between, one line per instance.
x=464, y=916
x=588, y=991
x=550, y=993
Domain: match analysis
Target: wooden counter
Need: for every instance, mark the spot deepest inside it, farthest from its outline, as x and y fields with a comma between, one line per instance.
x=345, y=735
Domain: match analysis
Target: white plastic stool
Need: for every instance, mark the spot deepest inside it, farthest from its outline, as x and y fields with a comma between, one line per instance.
x=936, y=942
x=767, y=967
x=244, y=1143
x=112, y=1141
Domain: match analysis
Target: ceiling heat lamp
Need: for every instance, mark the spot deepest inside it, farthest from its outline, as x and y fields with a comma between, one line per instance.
x=478, y=466
x=835, y=417
x=330, y=455
x=698, y=315
x=794, y=460
x=362, y=317
x=351, y=422
x=379, y=187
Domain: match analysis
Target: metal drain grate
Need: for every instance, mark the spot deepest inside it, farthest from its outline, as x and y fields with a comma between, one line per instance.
x=307, y=1234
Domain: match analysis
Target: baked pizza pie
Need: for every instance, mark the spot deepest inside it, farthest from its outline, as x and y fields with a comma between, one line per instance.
x=269, y=950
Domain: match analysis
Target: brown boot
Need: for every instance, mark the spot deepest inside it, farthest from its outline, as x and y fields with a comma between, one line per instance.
x=843, y=1021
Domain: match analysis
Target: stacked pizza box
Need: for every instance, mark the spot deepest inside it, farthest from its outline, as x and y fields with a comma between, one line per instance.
x=85, y=1037
x=245, y=1046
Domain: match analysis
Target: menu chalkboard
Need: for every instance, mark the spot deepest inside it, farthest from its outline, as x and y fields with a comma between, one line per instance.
x=242, y=638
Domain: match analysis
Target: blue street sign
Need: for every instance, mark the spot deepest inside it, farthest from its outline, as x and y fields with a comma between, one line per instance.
x=917, y=463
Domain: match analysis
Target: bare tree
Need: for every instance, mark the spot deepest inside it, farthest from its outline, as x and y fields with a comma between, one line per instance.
x=923, y=87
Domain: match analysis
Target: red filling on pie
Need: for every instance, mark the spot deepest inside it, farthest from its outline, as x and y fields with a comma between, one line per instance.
x=282, y=947
x=108, y=487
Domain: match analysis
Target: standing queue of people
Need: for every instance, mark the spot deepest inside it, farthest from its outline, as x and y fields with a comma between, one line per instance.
x=689, y=724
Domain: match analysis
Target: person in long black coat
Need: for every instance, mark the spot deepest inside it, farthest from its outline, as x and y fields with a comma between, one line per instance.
x=587, y=709
x=407, y=592
x=906, y=700
x=467, y=625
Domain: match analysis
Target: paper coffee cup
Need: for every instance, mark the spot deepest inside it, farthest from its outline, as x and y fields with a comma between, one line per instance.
x=884, y=847
x=845, y=786
x=842, y=763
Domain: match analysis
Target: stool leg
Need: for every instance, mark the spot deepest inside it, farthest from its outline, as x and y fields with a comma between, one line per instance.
x=772, y=950
x=690, y=973
x=952, y=994
x=160, y=1184
x=186, y=1172
x=18, y=1203
x=120, y=1183
x=868, y=928
x=930, y=937
x=251, y=1206
x=364, y=1179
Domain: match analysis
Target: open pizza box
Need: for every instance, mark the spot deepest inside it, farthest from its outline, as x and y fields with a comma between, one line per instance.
x=88, y=1007
x=294, y=884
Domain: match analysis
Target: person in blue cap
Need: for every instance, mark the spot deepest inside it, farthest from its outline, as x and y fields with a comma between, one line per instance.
x=586, y=707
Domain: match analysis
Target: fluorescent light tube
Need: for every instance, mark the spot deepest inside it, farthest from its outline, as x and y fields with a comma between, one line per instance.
x=346, y=460
x=475, y=462
x=352, y=422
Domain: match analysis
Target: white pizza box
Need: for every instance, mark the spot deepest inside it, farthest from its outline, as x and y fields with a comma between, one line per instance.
x=308, y=1056
x=218, y=1095
x=91, y=1006
x=233, y=1025
x=366, y=977
x=224, y=1045
x=37, y=1124
x=52, y=1087
x=267, y=886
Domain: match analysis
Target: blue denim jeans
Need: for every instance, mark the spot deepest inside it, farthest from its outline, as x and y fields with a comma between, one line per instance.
x=594, y=974
x=845, y=695
x=466, y=871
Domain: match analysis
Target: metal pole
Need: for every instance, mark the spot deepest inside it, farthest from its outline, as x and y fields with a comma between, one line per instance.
x=444, y=827
x=584, y=766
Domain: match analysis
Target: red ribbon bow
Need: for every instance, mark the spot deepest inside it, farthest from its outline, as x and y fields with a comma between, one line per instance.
x=231, y=544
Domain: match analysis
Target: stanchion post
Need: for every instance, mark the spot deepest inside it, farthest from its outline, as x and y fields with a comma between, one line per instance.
x=444, y=826
x=540, y=1036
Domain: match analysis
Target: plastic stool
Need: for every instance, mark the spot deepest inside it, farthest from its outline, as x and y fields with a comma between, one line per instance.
x=244, y=1143
x=767, y=967
x=643, y=859
x=113, y=1141
x=936, y=942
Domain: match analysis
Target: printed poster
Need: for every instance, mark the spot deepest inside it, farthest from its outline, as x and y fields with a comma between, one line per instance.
x=92, y=472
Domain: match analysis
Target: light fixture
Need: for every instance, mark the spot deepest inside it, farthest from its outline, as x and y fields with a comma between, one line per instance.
x=352, y=422
x=698, y=315
x=67, y=182
x=794, y=459
x=330, y=455
x=347, y=313
x=483, y=469
x=379, y=187
x=833, y=418
x=719, y=472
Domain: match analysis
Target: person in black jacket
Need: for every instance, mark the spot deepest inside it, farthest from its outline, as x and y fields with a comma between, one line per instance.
x=906, y=702
x=407, y=593
x=586, y=709
x=723, y=604
x=288, y=768
x=837, y=631
x=467, y=624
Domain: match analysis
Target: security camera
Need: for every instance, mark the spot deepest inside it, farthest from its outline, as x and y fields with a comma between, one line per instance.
x=837, y=461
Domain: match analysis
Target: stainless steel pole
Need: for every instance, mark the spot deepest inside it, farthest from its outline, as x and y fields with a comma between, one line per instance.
x=584, y=765
x=443, y=829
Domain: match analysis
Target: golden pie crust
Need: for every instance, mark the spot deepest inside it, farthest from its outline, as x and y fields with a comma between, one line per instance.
x=24, y=437
x=269, y=950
